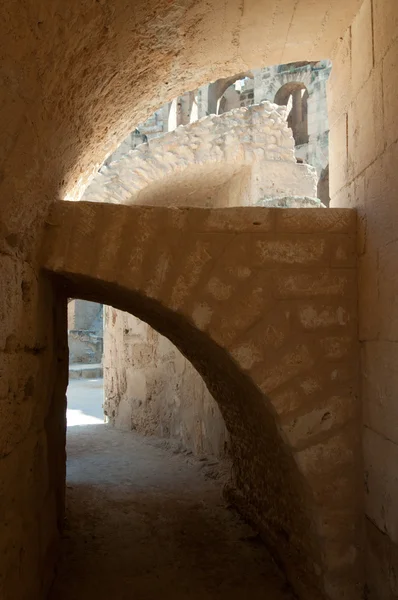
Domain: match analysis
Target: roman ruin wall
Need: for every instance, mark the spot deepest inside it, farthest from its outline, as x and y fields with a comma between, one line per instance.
x=89, y=75
x=363, y=117
x=250, y=148
x=149, y=385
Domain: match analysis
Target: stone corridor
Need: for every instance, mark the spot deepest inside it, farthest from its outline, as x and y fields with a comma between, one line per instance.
x=143, y=517
x=270, y=325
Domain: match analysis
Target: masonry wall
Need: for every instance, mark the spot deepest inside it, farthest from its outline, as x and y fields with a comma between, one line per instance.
x=77, y=77
x=283, y=370
x=364, y=175
x=151, y=387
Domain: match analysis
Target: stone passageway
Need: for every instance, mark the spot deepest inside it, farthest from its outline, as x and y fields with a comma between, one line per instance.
x=146, y=520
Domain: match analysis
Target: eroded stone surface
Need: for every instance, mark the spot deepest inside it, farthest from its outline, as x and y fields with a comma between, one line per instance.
x=252, y=148
x=312, y=439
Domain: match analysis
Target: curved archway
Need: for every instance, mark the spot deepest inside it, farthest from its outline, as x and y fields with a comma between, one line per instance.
x=241, y=318
x=294, y=95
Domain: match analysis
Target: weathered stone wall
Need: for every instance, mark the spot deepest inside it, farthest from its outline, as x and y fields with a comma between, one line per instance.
x=77, y=77
x=364, y=174
x=251, y=147
x=149, y=385
x=85, y=331
x=268, y=82
x=33, y=377
x=283, y=370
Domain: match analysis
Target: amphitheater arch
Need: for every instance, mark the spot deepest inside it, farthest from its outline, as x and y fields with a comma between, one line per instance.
x=255, y=323
x=294, y=95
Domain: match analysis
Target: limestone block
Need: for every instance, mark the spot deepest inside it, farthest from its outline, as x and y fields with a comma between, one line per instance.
x=338, y=173
x=390, y=82
x=291, y=202
x=321, y=315
x=339, y=86
x=294, y=250
x=365, y=126
x=379, y=205
x=316, y=220
x=337, y=452
x=306, y=284
x=387, y=290
x=11, y=301
x=281, y=178
x=381, y=482
x=326, y=415
x=380, y=380
x=370, y=318
x=380, y=561
x=361, y=47
x=385, y=23
x=249, y=147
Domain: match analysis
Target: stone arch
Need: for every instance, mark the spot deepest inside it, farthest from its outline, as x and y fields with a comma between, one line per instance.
x=251, y=148
x=246, y=303
x=218, y=88
x=286, y=78
x=294, y=95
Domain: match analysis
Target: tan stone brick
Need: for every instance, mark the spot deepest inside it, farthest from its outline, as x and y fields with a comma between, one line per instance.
x=381, y=456
x=253, y=299
x=339, y=86
x=338, y=154
x=290, y=250
x=337, y=452
x=326, y=282
x=315, y=220
x=381, y=208
x=388, y=290
x=361, y=46
x=378, y=563
x=320, y=315
x=329, y=413
x=240, y=220
x=380, y=380
x=290, y=363
x=343, y=252
x=385, y=15
x=365, y=126
x=390, y=85
x=343, y=197
x=286, y=400
x=339, y=347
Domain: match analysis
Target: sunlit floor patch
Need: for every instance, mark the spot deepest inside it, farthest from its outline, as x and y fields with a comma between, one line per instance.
x=78, y=417
x=85, y=399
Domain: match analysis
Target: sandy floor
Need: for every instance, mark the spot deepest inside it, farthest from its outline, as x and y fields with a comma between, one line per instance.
x=146, y=521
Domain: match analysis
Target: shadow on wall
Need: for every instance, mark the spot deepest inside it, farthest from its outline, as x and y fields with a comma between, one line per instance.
x=150, y=387
x=265, y=479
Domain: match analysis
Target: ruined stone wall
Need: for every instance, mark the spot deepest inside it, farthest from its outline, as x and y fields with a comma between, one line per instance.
x=85, y=331
x=152, y=388
x=314, y=76
x=149, y=385
x=251, y=148
x=364, y=174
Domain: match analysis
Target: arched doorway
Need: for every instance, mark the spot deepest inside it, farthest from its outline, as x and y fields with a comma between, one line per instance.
x=254, y=361
x=294, y=95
